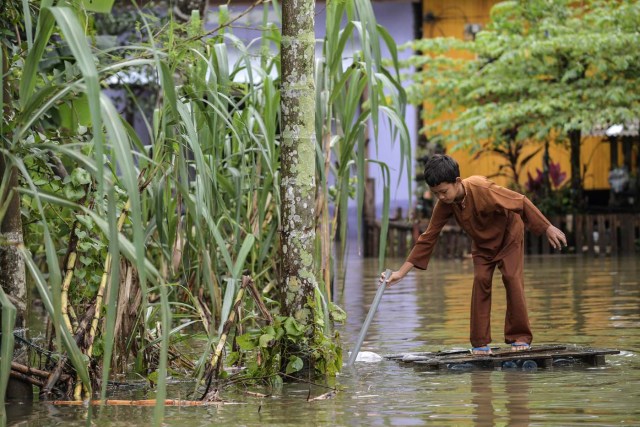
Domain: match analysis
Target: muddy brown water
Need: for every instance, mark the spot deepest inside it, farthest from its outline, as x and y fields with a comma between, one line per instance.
x=582, y=301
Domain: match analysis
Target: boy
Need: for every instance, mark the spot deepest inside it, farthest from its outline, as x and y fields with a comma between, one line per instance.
x=494, y=218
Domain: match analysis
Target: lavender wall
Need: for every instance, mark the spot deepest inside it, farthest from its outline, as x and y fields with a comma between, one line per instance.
x=398, y=19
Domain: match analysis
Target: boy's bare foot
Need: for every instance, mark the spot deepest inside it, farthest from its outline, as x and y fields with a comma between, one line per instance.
x=481, y=351
x=519, y=346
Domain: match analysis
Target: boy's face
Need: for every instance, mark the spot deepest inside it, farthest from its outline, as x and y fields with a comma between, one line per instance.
x=447, y=192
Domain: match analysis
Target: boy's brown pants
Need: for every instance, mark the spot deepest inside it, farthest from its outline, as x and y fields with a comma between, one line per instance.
x=516, y=322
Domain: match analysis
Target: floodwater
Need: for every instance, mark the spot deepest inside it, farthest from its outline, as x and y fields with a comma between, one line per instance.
x=583, y=301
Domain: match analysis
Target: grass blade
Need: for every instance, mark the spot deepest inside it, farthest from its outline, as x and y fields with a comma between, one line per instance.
x=8, y=322
x=110, y=321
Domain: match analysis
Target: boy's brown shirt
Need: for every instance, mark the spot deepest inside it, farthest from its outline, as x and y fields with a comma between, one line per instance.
x=491, y=215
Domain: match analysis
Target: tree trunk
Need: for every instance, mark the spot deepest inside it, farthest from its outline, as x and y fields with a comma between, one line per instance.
x=576, y=181
x=12, y=272
x=546, y=167
x=297, y=184
x=12, y=269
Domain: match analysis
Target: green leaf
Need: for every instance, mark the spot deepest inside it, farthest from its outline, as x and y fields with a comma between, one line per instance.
x=232, y=358
x=337, y=313
x=279, y=333
x=29, y=78
x=153, y=377
x=265, y=339
x=73, y=193
x=269, y=330
x=242, y=254
x=246, y=342
x=277, y=382
x=80, y=176
x=295, y=364
x=293, y=328
x=114, y=286
x=100, y=6
x=6, y=350
x=76, y=39
x=67, y=119
x=81, y=108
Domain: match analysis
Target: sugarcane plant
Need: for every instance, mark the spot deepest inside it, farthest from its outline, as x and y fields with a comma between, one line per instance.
x=160, y=254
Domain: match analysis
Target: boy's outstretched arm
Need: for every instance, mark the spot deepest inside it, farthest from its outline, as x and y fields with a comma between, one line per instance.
x=396, y=276
x=556, y=238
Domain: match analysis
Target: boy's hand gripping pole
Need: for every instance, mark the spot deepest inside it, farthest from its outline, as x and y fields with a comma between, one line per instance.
x=367, y=321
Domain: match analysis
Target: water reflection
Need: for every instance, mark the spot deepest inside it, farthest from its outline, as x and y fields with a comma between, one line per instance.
x=577, y=300
x=572, y=300
x=495, y=397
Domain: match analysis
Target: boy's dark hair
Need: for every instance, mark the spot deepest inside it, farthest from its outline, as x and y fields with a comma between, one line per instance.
x=440, y=168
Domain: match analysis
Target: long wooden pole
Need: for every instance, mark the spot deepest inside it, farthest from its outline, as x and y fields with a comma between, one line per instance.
x=367, y=321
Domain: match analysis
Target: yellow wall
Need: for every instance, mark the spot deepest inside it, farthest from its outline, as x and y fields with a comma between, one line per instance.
x=452, y=16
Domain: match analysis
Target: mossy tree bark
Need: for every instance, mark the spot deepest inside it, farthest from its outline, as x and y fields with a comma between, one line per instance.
x=297, y=185
x=12, y=268
x=12, y=272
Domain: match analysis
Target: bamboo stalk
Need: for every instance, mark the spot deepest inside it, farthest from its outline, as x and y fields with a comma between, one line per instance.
x=99, y=298
x=77, y=390
x=260, y=304
x=26, y=378
x=122, y=306
x=54, y=377
x=28, y=370
x=205, y=315
x=73, y=317
x=227, y=326
x=70, y=265
x=207, y=396
x=255, y=394
x=178, y=248
x=103, y=282
x=66, y=283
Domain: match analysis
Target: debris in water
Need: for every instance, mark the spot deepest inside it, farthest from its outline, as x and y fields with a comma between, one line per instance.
x=328, y=395
x=368, y=357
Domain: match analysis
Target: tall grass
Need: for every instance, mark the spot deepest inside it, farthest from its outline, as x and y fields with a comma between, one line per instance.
x=200, y=204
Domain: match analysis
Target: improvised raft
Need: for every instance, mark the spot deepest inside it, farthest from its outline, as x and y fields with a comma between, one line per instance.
x=503, y=358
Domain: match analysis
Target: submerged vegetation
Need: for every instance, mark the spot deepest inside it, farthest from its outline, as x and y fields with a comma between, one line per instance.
x=158, y=252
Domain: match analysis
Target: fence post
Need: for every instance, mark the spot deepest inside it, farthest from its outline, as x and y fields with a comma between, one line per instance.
x=578, y=229
x=602, y=233
x=369, y=228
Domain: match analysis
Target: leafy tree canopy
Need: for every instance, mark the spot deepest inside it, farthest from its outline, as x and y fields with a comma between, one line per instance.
x=538, y=70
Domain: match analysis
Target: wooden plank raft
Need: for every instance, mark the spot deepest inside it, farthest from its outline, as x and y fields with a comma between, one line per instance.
x=504, y=358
